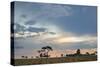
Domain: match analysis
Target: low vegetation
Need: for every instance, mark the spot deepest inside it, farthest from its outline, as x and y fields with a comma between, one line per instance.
x=44, y=57
x=55, y=60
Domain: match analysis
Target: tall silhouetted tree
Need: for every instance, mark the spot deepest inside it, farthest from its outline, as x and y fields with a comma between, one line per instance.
x=44, y=51
x=47, y=49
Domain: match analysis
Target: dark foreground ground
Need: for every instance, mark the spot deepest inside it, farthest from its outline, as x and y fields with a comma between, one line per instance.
x=54, y=60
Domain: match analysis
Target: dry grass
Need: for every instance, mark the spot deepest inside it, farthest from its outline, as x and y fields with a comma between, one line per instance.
x=54, y=60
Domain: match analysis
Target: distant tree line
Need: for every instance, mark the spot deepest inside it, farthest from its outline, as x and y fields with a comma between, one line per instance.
x=44, y=53
x=78, y=53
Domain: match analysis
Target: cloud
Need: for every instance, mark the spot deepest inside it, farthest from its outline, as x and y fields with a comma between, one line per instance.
x=84, y=39
x=56, y=10
x=34, y=29
x=30, y=22
x=50, y=11
x=34, y=13
x=23, y=16
x=18, y=28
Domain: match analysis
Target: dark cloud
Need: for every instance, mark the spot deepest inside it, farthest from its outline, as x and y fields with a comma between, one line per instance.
x=53, y=33
x=34, y=29
x=23, y=16
x=19, y=28
x=31, y=22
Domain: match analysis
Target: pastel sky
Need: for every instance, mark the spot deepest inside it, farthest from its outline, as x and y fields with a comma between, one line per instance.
x=58, y=25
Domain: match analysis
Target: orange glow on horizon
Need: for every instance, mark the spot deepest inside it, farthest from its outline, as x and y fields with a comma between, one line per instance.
x=68, y=40
x=75, y=39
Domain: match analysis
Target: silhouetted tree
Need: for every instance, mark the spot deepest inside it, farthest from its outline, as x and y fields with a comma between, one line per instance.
x=22, y=56
x=44, y=51
x=41, y=52
x=87, y=53
x=62, y=55
x=47, y=49
x=95, y=53
x=78, y=52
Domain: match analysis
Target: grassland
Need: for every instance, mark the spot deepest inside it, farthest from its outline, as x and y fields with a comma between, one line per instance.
x=54, y=60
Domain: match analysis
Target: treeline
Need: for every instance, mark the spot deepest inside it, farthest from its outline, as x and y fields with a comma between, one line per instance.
x=44, y=53
x=78, y=53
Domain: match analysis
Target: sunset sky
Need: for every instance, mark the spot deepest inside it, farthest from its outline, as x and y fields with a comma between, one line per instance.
x=63, y=27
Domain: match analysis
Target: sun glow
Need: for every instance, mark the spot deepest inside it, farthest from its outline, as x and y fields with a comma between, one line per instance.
x=76, y=39
x=68, y=40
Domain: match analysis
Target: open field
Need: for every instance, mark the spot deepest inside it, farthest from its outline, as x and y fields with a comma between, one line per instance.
x=54, y=60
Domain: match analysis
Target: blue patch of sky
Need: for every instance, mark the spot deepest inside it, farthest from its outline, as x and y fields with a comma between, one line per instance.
x=81, y=22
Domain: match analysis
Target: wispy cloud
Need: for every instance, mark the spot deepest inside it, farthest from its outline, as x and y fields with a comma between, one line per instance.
x=54, y=11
